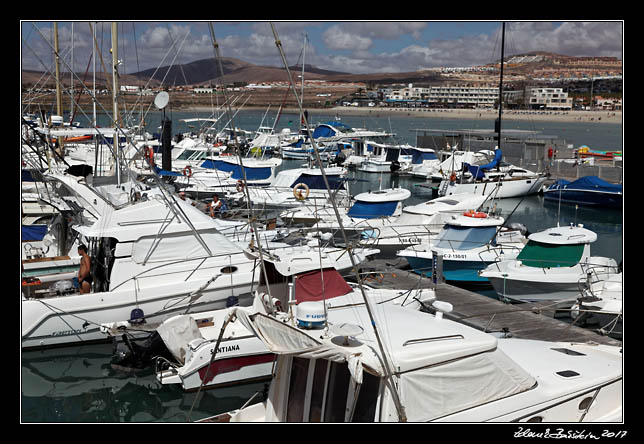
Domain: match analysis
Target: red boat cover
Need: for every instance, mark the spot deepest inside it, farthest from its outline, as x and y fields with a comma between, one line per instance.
x=308, y=286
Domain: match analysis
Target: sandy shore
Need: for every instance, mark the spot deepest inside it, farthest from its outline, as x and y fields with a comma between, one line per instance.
x=614, y=117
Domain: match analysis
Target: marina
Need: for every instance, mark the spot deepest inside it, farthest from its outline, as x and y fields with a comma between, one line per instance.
x=359, y=268
x=476, y=307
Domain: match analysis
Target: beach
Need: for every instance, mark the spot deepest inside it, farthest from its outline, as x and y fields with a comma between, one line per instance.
x=603, y=116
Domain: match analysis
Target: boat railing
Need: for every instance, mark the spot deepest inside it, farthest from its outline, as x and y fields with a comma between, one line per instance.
x=188, y=271
x=160, y=362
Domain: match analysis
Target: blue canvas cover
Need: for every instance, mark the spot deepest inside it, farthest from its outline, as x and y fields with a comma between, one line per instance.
x=593, y=183
x=369, y=210
x=478, y=171
x=259, y=173
x=327, y=129
x=33, y=232
x=316, y=181
x=417, y=156
x=589, y=190
x=161, y=172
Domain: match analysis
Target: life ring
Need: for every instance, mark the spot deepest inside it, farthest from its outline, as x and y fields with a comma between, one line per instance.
x=476, y=214
x=240, y=186
x=187, y=171
x=298, y=195
x=452, y=177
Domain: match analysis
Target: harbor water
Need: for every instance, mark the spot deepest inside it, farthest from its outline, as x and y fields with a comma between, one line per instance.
x=78, y=384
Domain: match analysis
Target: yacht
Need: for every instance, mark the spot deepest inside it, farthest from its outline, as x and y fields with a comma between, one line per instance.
x=467, y=243
x=434, y=369
x=551, y=267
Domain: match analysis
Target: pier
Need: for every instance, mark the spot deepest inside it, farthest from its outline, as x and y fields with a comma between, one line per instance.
x=536, y=321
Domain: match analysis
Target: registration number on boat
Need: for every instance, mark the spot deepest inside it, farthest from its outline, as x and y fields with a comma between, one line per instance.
x=454, y=256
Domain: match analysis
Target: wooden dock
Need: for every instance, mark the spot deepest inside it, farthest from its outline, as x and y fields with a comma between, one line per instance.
x=528, y=320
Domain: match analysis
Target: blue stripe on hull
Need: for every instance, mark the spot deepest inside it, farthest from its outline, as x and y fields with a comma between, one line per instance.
x=456, y=271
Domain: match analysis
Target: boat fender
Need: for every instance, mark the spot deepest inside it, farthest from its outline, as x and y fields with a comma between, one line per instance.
x=137, y=316
x=298, y=194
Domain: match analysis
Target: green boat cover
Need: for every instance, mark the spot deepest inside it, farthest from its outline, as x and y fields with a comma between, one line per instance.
x=536, y=254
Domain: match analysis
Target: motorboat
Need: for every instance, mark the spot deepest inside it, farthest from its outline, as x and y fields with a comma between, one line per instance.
x=372, y=208
x=490, y=179
x=385, y=158
x=207, y=350
x=417, y=224
x=467, y=243
x=587, y=191
x=550, y=267
x=298, y=187
x=434, y=369
x=601, y=306
x=157, y=256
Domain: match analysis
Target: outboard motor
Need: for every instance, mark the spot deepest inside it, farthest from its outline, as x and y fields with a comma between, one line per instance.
x=131, y=355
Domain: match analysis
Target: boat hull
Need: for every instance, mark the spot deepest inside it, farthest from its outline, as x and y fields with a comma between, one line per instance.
x=587, y=198
x=76, y=318
x=505, y=189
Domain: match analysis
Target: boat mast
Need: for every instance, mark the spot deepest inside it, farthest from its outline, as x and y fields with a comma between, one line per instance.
x=498, y=121
x=59, y=93
x=386, y=366
x=115, y=109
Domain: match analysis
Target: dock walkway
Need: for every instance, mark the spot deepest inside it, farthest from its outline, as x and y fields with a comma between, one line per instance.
x=528, y=321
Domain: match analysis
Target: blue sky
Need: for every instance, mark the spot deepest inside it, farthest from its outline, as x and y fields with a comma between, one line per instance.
x=354, y=47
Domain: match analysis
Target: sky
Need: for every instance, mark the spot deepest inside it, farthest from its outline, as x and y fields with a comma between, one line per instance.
x=352, y=47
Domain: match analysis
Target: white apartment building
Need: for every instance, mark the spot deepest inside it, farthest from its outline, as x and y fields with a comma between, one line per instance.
x=549, y=98
x=450, y=95
x=460, y=95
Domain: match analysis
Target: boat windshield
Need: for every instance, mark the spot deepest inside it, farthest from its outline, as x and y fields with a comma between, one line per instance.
x=191, y=154
x=536, y=254
x=465, y=238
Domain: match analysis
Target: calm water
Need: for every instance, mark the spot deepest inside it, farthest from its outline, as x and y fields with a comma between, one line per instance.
x=77, y=384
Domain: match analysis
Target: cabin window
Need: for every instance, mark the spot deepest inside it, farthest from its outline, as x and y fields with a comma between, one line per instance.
x=365, y=410
x=297, y=389
x=465, y=238
x=317, y=391
x=336, y=398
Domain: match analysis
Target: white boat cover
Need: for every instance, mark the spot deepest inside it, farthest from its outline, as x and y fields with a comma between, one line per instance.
x=181, y=246
x=177, y=333
x=434, y=378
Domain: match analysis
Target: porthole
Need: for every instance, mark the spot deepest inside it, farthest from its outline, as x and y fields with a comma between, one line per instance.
x=585, y=403
x=535, y=419
x=228, y=269
x=568, y=373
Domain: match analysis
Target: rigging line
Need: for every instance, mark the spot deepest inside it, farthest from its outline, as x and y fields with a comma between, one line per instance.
x=399, y=406
x=241, y=163
x=169, y=199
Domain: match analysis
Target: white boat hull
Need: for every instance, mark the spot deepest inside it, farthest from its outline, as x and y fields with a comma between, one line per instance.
x=76, y=318
x=504, y=189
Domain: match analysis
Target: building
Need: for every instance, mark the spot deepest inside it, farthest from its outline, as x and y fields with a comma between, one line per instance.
x=548, y=99
x=202, y=90
x=463, y=96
